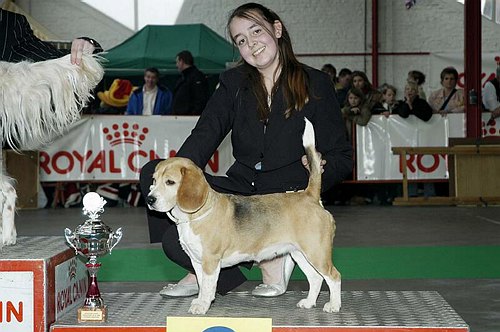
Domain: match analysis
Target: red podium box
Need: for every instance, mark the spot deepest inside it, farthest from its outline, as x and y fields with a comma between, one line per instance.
x=40, y=280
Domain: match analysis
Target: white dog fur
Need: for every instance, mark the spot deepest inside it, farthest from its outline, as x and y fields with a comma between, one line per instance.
x=38, y=101
x=219, y=230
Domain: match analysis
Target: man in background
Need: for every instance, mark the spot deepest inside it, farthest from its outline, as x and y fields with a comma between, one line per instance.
x=491, y=95
x=191, y=90
x=332, y=72
x=344, y=84
x=151, y=98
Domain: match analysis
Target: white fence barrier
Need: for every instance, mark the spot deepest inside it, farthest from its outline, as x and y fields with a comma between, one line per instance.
x=114, y=148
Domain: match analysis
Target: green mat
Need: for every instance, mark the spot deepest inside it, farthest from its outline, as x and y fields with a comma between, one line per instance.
x=468, y=262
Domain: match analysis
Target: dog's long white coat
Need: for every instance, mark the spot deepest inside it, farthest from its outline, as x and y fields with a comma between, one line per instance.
x=38, y=101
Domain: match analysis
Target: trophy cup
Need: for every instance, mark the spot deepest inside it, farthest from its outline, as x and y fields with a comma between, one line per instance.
x=93, y=239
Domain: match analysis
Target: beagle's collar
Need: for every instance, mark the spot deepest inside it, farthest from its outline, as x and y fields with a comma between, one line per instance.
x=180, y=217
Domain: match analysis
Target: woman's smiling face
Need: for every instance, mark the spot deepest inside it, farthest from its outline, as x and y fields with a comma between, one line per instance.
x=257, y=41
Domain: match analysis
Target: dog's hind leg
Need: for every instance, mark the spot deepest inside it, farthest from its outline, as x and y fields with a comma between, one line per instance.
x=208, y=285
x=334, y=284
x=8, y=196
x=322, y=263
x=313, y=277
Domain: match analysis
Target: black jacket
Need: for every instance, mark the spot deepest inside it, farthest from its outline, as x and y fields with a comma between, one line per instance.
x=17, y=41
x=420, y=108
x=276, y=147
x=190, y=92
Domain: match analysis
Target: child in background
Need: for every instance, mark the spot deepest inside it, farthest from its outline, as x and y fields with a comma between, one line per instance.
x=418, y=77
x=388, y=99
x=356, y=110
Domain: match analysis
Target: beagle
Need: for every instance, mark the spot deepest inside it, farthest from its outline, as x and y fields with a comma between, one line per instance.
x=219, y=230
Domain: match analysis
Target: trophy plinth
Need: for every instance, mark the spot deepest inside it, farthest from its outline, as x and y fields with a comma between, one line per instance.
x=93, y=239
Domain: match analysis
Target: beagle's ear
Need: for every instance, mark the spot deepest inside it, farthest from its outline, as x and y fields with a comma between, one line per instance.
x=193, y=191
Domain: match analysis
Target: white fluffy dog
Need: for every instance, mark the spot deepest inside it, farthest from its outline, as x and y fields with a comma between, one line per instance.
x=38, y=101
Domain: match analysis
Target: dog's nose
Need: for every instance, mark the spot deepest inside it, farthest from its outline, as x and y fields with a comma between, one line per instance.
x=150, y=200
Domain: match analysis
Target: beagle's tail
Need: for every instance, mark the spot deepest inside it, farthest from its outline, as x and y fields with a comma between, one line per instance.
x=309, y=143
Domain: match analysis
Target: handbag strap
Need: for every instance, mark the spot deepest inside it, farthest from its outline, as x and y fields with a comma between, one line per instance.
x=447, y=99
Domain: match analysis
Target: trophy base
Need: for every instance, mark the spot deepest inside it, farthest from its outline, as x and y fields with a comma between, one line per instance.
x=92, y=314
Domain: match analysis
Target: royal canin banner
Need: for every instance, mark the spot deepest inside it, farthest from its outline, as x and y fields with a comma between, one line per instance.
x=375, y=160
x=111, y=148
x=71, y=283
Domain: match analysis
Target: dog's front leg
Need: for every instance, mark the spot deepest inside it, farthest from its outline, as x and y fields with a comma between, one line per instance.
x=8, y=197
x=208, y=285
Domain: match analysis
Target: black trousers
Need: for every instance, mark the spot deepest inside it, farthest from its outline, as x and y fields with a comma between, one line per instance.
x=162, y=229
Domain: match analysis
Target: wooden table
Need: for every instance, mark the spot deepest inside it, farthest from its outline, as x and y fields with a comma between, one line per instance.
x=474, y=174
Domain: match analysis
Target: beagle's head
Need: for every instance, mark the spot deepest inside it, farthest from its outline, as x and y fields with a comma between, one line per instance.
x=177, y=181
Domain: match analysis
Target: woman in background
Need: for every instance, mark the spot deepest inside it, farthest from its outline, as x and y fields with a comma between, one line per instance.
x=448, y=99
x=373, y=97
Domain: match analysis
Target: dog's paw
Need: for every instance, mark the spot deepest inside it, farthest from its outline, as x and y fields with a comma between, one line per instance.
x=199, y=307
x=306, y=304
x=9, y=241
x=331, y=307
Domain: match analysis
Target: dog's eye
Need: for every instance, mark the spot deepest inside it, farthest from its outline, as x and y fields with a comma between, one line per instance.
x=169, y=182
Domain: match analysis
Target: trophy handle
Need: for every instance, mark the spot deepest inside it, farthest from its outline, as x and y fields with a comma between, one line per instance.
x=114, y=238
x=70, y=238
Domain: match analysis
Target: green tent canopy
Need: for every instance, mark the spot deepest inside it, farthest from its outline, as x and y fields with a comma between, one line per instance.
x=157, y=46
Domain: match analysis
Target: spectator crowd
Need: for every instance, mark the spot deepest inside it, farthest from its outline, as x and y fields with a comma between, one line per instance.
x=358, y=99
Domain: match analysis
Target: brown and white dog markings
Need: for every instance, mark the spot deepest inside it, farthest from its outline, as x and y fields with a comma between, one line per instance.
x=38, y=102
x=220, y=230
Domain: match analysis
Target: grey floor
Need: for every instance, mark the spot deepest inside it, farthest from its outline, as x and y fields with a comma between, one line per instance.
x=477, y=301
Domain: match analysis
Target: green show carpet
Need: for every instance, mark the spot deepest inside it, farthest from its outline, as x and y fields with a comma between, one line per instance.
x=446, y=262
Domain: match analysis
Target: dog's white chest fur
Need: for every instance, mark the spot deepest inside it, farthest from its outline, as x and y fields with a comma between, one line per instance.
x=190, y=242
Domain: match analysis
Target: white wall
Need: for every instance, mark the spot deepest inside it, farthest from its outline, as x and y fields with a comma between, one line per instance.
x=344, y=26
x=72, y=18
x=315, y=26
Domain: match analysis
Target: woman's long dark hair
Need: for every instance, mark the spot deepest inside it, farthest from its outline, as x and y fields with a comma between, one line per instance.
x=293, y=77
x=368, y=86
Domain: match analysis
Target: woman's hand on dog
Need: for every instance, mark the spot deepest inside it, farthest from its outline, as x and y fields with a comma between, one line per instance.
x=305, y=162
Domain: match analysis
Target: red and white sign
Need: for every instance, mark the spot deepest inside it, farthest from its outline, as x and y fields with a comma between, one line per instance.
x=375, y=160
x=116, y=147
x=108, y=148
x=16, y=301
x=71, y=285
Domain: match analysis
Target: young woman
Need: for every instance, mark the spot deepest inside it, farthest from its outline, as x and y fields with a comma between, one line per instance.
x=413, y=104
x=417, y=77
x=372, y=96
x=262, y=102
